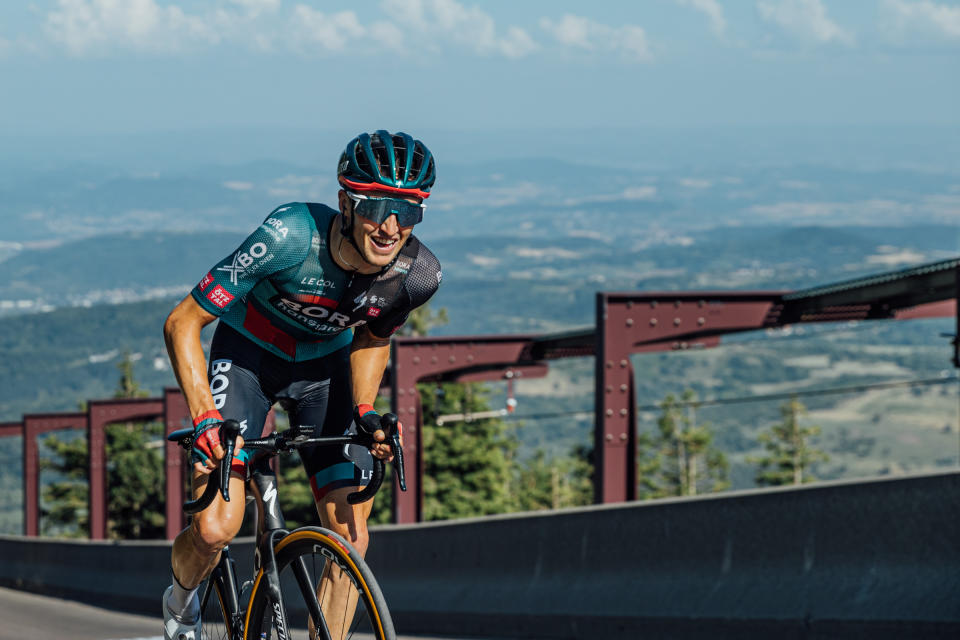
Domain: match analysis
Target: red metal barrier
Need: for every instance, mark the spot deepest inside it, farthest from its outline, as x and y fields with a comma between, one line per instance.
x=33, y=426
x=626, y=323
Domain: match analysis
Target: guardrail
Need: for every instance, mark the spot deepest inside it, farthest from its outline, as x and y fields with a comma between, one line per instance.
x=877, y=559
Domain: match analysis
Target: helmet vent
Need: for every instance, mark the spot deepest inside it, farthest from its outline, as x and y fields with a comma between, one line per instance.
x=380, y=153
x=364, y=163
x=416, y=165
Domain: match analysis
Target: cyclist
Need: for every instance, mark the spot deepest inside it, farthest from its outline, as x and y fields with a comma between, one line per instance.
x=306, y=304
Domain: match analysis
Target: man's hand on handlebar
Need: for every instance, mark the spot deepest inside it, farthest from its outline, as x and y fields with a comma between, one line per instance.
x=368, y=421
x=207, y=450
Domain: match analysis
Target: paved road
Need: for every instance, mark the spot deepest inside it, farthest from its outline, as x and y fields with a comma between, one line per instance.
x=26, y=615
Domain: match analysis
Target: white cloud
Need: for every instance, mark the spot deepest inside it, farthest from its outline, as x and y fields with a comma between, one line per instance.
x=900, y=18
x=713, y=11
x=330, y=32
x=256, y=7
x=805, y=19
x=238, y=185
x=85, y=27
x=449, y=22
x=577, y=32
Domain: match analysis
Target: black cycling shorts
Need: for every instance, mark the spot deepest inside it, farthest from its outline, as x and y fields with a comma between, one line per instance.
x=247, y=380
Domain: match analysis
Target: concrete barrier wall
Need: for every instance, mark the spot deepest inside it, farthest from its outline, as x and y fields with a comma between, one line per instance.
x=870, y=559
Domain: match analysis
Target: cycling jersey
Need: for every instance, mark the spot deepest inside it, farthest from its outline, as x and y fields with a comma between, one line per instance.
x=282, y=289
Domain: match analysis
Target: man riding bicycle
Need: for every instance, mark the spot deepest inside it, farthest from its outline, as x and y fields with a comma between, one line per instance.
x=306, y=306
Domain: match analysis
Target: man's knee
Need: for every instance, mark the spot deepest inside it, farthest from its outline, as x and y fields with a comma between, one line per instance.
x=210, y=534
x=350, y=521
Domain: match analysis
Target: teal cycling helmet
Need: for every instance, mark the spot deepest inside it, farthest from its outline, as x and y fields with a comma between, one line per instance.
x=390, y=162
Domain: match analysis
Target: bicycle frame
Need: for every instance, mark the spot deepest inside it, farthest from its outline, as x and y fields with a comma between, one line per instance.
x=261, y=485
x=271, y=525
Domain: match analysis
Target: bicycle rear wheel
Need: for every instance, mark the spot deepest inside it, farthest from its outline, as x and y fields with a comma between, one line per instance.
x=302, y=558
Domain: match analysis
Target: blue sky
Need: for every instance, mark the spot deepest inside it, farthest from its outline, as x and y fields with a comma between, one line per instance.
x=124, y=66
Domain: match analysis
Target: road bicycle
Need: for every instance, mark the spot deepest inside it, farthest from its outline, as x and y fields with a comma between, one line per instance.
x=283, y=599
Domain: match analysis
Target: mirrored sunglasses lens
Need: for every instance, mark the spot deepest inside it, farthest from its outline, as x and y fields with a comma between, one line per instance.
x=408, y=214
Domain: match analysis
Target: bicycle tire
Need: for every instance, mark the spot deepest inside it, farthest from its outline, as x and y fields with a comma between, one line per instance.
x=317, y=546
x=213, y=613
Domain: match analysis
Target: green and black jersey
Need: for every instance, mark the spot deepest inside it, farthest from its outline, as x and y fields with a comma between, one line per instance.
x=282, y=289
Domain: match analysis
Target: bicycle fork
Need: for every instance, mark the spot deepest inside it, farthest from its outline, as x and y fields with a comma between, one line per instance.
x=271, y=528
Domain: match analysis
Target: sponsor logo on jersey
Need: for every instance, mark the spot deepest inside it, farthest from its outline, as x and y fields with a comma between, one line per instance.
x=205, y=282
x=322, y=319
x=373, y=312
x=402, y=266
x=439, y=276
x=219, y=296
x=364, y=299
x=318, y=283
x=276, y=228
x=242, y=260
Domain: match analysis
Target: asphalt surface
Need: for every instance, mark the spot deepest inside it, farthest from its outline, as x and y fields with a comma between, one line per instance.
x=27, y=615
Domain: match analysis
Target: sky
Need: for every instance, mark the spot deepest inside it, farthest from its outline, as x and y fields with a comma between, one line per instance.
x=92, y=67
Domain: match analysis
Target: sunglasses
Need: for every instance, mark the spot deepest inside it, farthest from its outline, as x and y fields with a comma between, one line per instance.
x=378, y=210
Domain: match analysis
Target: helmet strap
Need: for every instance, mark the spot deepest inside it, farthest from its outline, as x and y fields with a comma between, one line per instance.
x=346, y=231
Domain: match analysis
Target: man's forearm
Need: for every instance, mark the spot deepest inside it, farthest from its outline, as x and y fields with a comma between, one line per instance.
x=368, y=360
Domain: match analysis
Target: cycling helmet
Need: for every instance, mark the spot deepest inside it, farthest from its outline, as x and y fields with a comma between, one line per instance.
x=390, y=162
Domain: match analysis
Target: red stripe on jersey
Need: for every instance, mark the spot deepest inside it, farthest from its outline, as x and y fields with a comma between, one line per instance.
x=261, y=327
x=320, y=300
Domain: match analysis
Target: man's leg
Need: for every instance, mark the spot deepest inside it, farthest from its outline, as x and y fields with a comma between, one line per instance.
x=197, y=548
x=235, y=367
x=195, y=553
x=336, y=592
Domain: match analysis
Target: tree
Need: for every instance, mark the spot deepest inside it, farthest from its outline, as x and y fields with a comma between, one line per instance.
x=554, y=484
x=127, y=386
x=469, y=463
x=688, y=463
x=421, y=320
x=65, y=511
x=789, y=454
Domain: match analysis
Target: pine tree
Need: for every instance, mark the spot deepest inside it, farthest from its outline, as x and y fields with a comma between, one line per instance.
x=469, y=468
x=789, y=454
x=554, y=484
x=689, y=464
x=65, y=510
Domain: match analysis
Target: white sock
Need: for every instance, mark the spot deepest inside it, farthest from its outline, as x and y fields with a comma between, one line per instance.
x=183, y=602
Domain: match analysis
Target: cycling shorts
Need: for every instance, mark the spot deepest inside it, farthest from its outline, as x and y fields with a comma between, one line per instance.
x=246, y=380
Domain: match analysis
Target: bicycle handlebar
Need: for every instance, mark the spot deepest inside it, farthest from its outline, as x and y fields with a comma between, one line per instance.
x=276, y=443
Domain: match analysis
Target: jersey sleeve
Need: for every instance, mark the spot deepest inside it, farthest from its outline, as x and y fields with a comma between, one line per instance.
x=418, y=287
x=280, y=242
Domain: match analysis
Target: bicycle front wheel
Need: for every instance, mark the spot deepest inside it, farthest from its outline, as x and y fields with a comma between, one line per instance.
x=328, y=593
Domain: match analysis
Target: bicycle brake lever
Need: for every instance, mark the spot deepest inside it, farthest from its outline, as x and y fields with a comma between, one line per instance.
x=228, y=437
x=389, y=422
x=398, y=461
